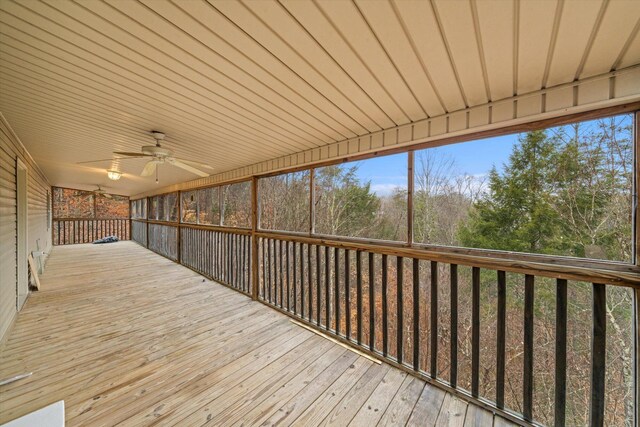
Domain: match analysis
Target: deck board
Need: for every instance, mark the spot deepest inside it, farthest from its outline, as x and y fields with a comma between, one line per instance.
x=127, y=337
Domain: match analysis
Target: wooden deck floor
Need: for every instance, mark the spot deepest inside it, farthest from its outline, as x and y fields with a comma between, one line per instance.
x=125, y=336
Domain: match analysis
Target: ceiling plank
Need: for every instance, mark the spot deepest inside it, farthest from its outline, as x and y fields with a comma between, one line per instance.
x=456, y=20
x=618, y=23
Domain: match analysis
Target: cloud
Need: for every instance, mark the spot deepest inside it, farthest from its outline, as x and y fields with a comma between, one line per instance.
x=386, y=189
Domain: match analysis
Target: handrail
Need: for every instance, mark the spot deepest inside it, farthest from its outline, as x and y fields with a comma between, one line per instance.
x=585, y=274
x=66, y=231
x=88, y=219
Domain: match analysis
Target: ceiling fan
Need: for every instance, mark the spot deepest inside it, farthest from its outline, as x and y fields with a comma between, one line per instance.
x=101, y=193
x=159, y=155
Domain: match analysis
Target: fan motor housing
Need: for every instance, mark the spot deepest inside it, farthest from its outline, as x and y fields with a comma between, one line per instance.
x=153, y=150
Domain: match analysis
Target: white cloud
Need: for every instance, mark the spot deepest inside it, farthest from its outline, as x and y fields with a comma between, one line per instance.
x=386, y=189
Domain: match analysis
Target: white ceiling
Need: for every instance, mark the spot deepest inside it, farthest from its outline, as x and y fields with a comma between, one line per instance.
x=233, y=83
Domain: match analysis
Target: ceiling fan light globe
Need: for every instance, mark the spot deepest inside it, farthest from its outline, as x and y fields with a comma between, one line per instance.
x=157, y=135
x=114, y=175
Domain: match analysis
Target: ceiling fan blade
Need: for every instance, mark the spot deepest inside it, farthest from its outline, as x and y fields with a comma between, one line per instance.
x=186, y=167
x=96, y=161
x=108, y=160
x=108, y=196
x=129, y=154
x=195, y=164
x=149, y=168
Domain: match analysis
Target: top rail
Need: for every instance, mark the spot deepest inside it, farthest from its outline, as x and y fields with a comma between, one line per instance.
x=69, y=231
x=584, y=274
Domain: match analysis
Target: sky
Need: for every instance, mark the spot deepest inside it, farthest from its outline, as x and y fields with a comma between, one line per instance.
x=473, y=158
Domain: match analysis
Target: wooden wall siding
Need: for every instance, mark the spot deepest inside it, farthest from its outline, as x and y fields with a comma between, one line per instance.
x=221, y=256
x=139, y=232
x=73, y=231
x=607, y=90
x=39, y=234
x=163, y=239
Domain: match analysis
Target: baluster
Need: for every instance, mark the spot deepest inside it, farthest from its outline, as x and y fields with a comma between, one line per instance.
x=318, y=294
x=288, y=244
x=270, y=271
x=527, y=383
x=295, y=279
x=282, y=245
x=399, y=307
x=302, y=280
x=264, y=268
x=598, y=353
x=501, y=338
x=434, y=319
x=372, y=303
x=359, y=296
x=561, y=352
x=336, y=284
x=347, y=294
x=453, y=353
x=327, y=300
x=310, y=280
x=475, y=330
x=273, y=263
x=416, y=314
x=385, y=325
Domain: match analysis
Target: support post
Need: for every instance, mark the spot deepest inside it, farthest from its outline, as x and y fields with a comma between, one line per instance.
x=312, y=203
x=179, y=231
x=254, y=240
x=410, y=175
x=147, y=221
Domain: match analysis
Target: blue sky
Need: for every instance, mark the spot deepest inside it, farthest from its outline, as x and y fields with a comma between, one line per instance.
x=473, y=158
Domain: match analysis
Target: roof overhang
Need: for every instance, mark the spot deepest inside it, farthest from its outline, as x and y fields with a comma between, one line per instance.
x=253, y=87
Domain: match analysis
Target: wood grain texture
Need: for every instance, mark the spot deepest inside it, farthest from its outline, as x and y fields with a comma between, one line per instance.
x=575, y=269
x=153, y=342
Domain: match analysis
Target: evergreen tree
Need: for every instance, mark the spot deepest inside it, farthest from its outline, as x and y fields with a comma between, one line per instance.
x=517, y=213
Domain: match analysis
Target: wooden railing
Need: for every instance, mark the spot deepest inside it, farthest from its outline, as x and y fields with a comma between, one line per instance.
x=389, y=301
x=224, y=256
x=71, y=231
x=448, y=318
x=219, y=253
x=139, y=231
x=163, y=239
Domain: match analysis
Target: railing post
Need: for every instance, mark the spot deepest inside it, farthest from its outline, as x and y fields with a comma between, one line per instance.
x=410, y=190
x=179, y=228
x=254, y=240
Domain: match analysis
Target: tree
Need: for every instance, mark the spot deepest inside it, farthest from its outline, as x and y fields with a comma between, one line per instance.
x=345, y=206
x=592, y=186
x=442, y=198
x=517, y=212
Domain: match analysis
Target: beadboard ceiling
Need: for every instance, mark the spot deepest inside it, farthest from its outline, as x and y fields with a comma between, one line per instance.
x=233, y=83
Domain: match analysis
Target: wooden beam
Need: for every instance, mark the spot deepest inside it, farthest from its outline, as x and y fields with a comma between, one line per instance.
x=254, y=239
x=569, y=272
x=410, y=189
